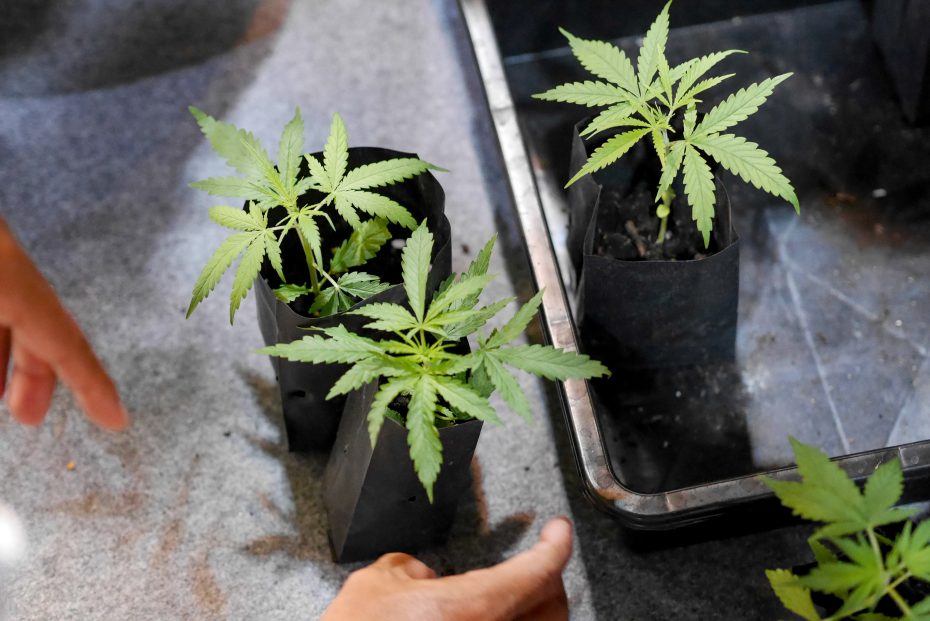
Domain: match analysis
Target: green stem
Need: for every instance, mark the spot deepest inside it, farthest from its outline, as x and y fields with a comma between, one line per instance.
x=311, y=263
x=667, y=196
x=900, y=602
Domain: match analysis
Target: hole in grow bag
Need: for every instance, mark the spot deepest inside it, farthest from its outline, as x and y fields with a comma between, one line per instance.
x=297, y=394
x=412, y=499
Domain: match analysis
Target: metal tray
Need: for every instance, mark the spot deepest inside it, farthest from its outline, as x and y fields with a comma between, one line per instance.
x=834, y=305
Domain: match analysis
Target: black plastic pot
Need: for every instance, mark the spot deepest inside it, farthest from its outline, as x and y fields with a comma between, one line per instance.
x=374, y=501
x=310, y=420
x=902, y=32
x=646, y=314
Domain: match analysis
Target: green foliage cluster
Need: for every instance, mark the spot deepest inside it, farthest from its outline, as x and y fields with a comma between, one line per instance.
x=417, y=358
x=647, y=100
x=266, y=185
x=855, y=562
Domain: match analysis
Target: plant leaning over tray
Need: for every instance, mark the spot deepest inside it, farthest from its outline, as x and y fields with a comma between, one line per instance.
x=649, y=98
x=856, y=563
x=417, y=358
x=266, y=185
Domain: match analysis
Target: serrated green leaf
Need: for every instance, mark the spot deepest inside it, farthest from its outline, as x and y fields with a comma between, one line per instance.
x=793, y=595
x=232, y=187
x=217, y=265
x=340, y=346
x=387, y=392
x=289, y=148
x=318, y=174
x=386, y=172
x=476, y=320
x=590, y=93
x=691, y=97
x=517, y=324
x=388, y=317
x=604, y=60
x=749, y=162
x=303, y=184
x=363, y=244
x=840, y=578
x=671, y=167
x=825, y=493
x=883, y=488
x=361, y=285
x=609, y=152
x=464, y=399
x=738, y=106
x=916, y=553
x=415, y=261
x=698, y=68
x=653, y=49
x=549, y=362
x=422, y=436
x=508, y=386
x=346, y=209
x=232, y=218
x=821, y=552
x=288, y=293
x=361, y=373
x=311, y=234
x=614, y=116
x=699, y=188
x=274, y=254
x=248, y=270
x=239, y=148
x=690, y=120
x=336, y=152
x=658, y=143
x=328, y=302
x=467, y=286
x=379, y=206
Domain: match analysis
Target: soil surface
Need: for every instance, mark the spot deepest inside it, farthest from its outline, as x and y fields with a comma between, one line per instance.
x=628, y=228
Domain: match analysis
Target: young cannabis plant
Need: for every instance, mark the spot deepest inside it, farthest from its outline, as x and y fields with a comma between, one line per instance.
x=648, y=100
x=417, y=359
x=855, y=562
x=266, y=185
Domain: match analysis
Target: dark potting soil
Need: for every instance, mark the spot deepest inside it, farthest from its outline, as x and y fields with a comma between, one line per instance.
x=628, y=228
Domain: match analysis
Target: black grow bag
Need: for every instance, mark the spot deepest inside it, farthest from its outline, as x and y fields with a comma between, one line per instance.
x=310, y=420
x=374, y=501
x=646, y=314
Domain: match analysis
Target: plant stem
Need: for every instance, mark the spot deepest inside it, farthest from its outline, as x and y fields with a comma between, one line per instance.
x=900, y=602
x=311, y=263
x=667, y=197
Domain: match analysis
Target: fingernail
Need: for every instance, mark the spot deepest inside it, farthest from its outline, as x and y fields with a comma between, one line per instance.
x=560, y=526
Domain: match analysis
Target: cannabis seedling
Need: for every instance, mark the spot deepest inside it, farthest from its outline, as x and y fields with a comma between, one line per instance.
x=855, y=562
x=417, y=358
x=266, y=185
x=650, y=99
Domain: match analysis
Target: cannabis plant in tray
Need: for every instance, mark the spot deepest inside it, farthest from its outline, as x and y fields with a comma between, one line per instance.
x=282, y=189
x=419, y=361
x=647, y=102
x=862, y=572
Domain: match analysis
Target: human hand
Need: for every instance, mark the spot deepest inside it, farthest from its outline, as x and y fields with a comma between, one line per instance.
x=46, y=343
x=399, y=587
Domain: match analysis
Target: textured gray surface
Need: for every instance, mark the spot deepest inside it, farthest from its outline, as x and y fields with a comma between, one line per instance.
x=198, y=512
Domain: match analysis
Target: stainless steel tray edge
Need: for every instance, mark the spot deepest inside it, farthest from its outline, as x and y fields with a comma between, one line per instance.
x=661, y=511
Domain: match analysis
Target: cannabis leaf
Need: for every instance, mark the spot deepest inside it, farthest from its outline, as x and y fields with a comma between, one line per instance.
x=855, y=562
x=350, y=192
x=267, y=185
x=649, y=98
x=418, y=358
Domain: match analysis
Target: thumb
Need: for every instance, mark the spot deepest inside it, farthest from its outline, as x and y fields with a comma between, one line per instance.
x=521, y=583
